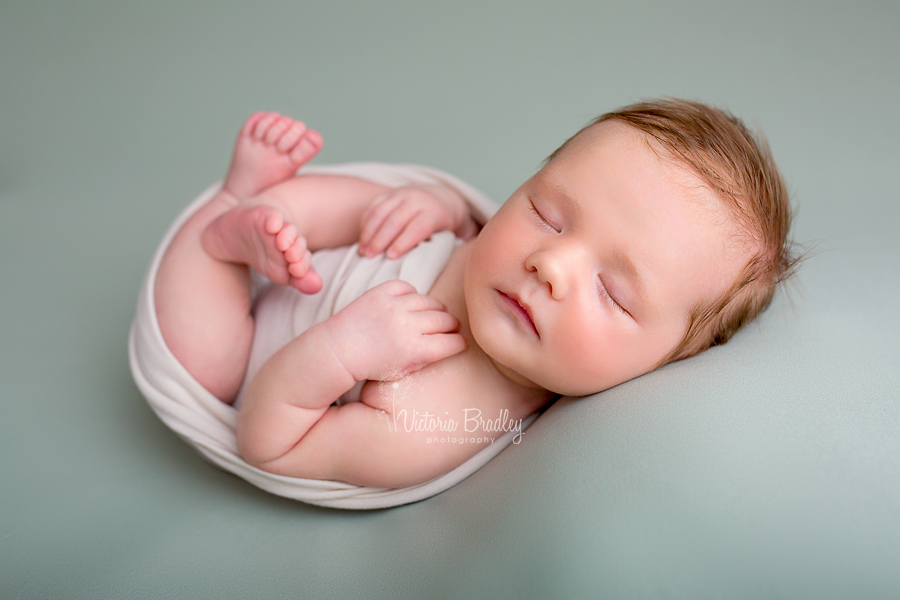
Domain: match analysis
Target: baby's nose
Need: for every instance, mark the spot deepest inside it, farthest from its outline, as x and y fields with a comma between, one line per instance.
x=557, y=268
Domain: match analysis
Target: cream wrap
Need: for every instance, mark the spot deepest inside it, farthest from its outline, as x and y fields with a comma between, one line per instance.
x=209, y=425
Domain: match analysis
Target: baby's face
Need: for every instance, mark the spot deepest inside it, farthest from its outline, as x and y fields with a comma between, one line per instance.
x=586, y=276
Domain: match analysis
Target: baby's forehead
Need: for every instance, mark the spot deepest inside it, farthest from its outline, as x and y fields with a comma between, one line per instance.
x=680, y=171
x=701, y=181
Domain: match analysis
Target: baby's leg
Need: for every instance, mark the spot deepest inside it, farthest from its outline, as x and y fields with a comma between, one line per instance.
x=202, y=290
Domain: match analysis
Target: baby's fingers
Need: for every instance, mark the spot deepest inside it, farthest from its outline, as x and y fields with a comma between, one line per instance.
x=373, y=221
x=398, y=232
x=438, y=346
x=416, y=230
x=437, y=321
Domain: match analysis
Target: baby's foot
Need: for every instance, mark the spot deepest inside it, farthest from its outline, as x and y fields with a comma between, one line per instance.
x=269, y=149
x=259, y=236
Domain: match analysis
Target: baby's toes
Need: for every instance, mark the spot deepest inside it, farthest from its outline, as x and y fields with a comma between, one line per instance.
x=274, y=223
x=301, y=264
x=263, y=124
x=296, y=252
x=285, y=238
x=310, y=283
x=303, y=276
x=278, y=128
x=251, y=123
x=289, y=140
x=308, y=146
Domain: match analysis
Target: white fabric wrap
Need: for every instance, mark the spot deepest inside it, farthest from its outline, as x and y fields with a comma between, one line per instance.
x=209, y=425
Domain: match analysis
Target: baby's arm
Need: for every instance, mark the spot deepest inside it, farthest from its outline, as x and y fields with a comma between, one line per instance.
x=386, y=333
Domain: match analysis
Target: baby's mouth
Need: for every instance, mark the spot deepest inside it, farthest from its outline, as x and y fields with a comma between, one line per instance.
x=522, y=310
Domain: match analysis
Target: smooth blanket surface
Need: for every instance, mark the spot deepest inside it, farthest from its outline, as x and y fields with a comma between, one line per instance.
x=209, y=425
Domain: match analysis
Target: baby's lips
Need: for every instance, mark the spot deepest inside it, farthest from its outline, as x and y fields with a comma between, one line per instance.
x=524, y=311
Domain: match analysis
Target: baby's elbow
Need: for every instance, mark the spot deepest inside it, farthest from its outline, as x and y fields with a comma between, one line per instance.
x=273, y=440
x=258, y=449
x=253, y=449
x=293, y=457
x=265, y=459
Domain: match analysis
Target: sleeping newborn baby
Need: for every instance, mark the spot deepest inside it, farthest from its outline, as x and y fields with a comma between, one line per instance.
x=652, y=234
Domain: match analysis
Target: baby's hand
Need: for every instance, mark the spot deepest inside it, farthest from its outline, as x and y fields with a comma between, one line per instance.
x=391, y=331
x=401, y=218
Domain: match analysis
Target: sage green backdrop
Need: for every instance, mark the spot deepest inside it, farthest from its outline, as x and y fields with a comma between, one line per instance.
x=769, y=468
